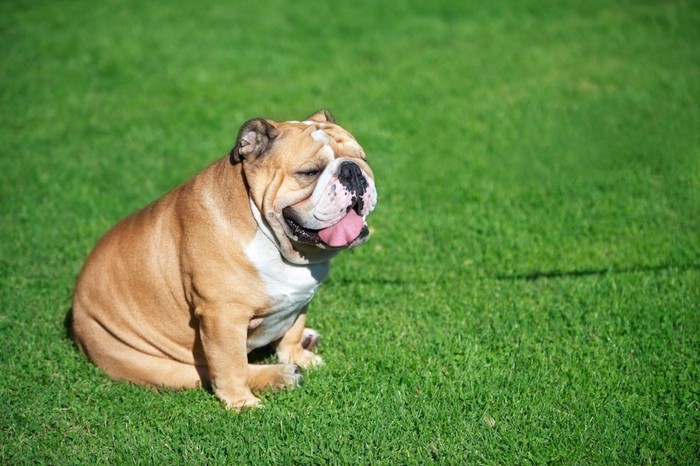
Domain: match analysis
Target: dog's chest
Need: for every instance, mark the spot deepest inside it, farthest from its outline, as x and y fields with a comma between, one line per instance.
x=289, y=287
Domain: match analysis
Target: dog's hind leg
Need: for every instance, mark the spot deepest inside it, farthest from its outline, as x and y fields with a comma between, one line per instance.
x=123, y=362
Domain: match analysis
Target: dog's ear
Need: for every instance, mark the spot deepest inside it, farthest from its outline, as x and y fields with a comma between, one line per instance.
x=322, y=116
x=254, y=138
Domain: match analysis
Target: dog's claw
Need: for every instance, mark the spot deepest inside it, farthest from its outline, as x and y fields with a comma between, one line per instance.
x=298, y=379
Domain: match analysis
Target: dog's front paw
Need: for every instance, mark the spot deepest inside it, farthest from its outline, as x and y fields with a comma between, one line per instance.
x=303, y=358
x=239, y=402
x=274, y=376
x=299, y=352
x=308, y=359
x=290, y=376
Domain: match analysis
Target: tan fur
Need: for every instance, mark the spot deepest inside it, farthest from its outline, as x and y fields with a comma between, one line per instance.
x=167, y=297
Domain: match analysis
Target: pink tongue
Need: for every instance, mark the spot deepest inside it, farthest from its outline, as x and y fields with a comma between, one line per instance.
x=344, y=232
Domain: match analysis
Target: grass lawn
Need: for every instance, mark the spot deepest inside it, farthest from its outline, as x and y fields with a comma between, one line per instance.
x=531, y=292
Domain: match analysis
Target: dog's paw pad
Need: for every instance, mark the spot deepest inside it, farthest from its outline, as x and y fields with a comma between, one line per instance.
x=310, y=338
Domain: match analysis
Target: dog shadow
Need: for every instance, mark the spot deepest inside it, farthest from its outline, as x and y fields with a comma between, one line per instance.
x=68, y=323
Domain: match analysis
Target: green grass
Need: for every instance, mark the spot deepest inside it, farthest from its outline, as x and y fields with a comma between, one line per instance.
x=531, y=293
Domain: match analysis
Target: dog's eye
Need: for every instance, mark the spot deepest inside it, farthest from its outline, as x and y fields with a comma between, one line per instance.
x=309, y=173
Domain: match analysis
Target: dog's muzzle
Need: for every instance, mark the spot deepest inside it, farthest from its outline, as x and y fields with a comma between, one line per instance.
x=334, y=215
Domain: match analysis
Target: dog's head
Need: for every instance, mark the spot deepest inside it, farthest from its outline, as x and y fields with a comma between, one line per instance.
x=310, y=185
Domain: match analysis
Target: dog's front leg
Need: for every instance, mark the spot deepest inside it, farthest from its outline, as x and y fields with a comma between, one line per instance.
x=294, y=346
x=223, y=331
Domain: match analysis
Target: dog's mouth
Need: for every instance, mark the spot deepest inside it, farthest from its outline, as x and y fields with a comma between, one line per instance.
x=348, y=230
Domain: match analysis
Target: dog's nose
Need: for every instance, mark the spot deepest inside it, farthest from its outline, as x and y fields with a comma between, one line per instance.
x=350, y=174
x=348, y=170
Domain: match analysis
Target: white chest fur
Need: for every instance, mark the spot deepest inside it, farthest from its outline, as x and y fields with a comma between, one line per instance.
x=290, y=287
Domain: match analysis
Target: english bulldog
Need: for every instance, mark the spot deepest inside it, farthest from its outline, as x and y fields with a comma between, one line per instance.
x=177, y=294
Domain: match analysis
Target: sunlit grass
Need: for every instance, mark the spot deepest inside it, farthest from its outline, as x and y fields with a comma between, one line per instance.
x=530, y=292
